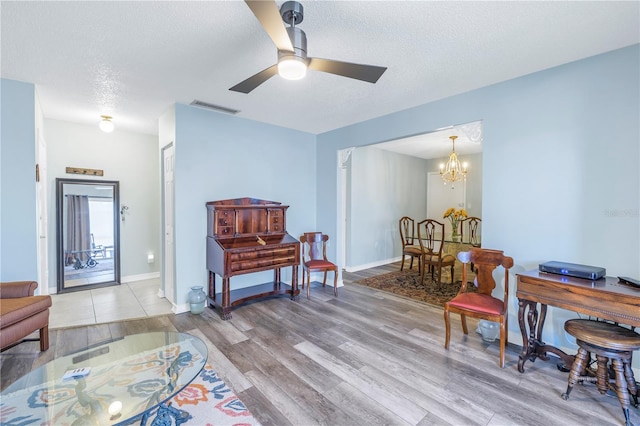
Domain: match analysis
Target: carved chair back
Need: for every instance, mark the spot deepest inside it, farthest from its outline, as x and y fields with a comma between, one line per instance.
x=314, y=246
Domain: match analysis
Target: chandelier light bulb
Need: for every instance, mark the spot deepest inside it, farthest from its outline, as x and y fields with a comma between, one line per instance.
x=106, y=125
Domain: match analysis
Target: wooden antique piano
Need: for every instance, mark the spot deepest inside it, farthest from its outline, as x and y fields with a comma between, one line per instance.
x=246, y=235
x=606, y=298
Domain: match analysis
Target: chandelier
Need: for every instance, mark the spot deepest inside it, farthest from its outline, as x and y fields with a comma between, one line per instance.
x=453, y=171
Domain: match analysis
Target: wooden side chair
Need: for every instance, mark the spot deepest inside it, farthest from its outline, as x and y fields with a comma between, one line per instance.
x=410, y=245
x=314, y=259
x=482, y=304
x=472, y=227
x=431, y=249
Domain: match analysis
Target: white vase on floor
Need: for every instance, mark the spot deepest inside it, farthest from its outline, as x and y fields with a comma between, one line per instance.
x=489, y=330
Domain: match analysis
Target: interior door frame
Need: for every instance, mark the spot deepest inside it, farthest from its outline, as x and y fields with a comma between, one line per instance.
x=168, y=244
x=42, y=202
x=342, y=204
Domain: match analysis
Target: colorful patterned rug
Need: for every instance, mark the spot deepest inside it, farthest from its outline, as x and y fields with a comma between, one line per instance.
x=205, y=401
x=407, y=283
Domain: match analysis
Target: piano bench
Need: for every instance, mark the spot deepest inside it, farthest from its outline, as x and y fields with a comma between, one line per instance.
x=608, y=342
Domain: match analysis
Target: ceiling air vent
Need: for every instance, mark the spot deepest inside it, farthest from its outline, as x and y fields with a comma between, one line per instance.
x=214, y=107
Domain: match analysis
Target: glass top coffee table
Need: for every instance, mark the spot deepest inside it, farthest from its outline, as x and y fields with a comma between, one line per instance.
x=128, y=378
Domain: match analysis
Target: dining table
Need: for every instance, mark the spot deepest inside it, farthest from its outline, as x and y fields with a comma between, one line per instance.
x=453, y=248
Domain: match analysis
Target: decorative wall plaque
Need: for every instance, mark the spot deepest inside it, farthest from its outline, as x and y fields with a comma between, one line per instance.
x=80, y=171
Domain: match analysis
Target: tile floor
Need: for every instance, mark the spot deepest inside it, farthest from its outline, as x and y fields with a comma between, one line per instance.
x=126, y=301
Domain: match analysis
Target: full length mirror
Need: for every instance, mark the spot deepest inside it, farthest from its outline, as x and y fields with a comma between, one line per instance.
x=88, y=252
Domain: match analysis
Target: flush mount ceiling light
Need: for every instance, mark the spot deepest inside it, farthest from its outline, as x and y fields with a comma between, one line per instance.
x=453, y=171
x=106, y=125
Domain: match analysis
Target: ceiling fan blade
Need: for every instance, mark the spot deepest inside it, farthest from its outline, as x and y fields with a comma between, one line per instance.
x=268, y=14
x=255, y=80
x=369, y=73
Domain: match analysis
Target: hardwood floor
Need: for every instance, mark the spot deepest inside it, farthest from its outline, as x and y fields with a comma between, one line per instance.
x=364, y=358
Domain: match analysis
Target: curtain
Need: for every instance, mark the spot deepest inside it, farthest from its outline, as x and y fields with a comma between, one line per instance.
x=78, y=229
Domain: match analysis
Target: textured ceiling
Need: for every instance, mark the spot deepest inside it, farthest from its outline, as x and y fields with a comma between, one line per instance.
x=133, y=60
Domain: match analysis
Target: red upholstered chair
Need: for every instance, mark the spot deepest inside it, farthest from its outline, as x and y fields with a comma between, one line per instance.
x=314, y=259
x=431, y=239
x=410, y=246
x=482, y=304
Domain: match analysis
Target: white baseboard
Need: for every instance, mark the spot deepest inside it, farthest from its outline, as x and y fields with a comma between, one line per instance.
x=181, y=308
x=139, y=277
x=371, y=265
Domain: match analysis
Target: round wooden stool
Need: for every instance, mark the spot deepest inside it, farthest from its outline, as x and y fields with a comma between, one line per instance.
x=608, y=342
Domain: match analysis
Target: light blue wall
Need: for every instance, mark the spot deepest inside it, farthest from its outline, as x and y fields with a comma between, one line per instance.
x=218, y=156
x=18, y=213
x=560, y=164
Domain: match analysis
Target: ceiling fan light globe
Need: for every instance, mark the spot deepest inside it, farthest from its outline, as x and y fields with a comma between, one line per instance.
x=292, y=68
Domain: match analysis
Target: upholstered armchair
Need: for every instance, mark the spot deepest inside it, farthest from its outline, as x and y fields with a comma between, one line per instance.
x=22, y=313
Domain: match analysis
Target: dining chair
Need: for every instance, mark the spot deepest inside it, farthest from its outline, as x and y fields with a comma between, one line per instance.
x=481, y=305
x=472, y=227
x=314, y=259
x=410, y=245
x=431, y=239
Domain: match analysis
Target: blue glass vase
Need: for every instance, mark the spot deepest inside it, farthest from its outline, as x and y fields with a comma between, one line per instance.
x=197, y=300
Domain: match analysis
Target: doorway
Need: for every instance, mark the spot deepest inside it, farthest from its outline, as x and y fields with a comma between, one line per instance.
x=168, y=276
x=402, y=192
x=88, y=234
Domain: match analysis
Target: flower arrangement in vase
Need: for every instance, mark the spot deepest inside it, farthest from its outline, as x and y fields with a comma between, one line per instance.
x=455, y=216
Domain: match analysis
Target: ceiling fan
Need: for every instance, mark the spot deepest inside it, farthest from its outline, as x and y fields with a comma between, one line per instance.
x=291, y=42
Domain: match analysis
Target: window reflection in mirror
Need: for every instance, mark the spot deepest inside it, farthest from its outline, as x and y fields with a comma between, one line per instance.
x=87, y=234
